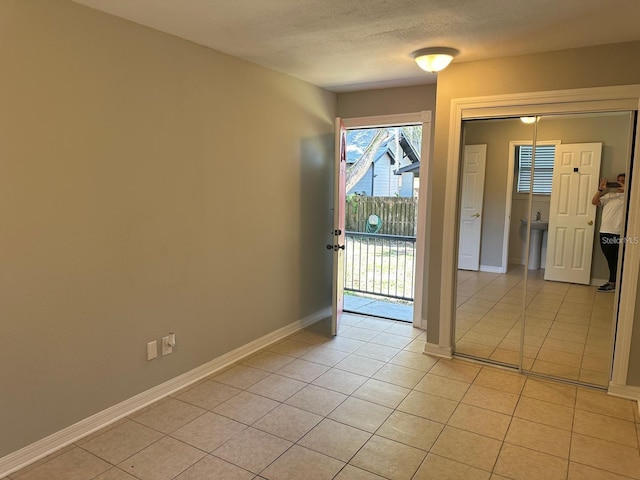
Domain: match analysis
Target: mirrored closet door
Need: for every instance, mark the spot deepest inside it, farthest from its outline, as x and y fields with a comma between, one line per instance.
x=530, y=260
x=490, y=276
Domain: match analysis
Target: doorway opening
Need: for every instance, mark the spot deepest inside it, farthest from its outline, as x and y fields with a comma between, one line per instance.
x=381, y=220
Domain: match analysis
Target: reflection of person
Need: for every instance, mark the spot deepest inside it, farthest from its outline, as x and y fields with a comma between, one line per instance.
x=612, y=203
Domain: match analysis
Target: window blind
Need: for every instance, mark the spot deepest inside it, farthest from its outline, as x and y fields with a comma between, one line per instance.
x=543, y=174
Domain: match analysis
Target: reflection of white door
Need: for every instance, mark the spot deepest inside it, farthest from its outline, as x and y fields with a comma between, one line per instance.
x=474, y=161
x=339, y=202
x=571, y=215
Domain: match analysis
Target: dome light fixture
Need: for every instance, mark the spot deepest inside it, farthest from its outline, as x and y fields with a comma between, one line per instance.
x=528, y=120
x=434, y=59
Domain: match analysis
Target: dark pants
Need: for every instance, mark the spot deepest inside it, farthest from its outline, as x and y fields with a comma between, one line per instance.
x=610, y=244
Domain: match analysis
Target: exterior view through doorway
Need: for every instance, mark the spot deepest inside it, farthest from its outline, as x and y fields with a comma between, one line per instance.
x=381, y=220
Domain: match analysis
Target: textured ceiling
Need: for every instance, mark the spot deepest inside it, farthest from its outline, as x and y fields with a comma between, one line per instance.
x=356, y=44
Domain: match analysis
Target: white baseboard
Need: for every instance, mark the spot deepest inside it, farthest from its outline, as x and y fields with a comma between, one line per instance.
x=31, y=453
x=491, y=269
x=436, y=350
x=624, y=391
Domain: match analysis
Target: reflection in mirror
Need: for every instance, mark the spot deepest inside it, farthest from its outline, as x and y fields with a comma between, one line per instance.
x=490, y=276
x=569, y=321
x=530, y=262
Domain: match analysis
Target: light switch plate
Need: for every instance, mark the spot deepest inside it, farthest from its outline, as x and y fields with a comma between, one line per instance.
x=152, y=350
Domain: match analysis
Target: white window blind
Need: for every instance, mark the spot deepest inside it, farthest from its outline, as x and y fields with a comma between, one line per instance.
x=543, y=174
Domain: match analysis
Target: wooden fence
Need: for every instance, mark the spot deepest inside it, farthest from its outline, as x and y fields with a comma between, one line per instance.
x=397, y=215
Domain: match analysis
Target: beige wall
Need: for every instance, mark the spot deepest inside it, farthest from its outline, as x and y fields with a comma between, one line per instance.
x=577, y=68
x=147, y=185
x=387, y=101
x=633, y=376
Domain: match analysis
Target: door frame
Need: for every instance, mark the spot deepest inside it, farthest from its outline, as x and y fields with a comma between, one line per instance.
x=584, y=100
x=424, y=118
x=339, y=239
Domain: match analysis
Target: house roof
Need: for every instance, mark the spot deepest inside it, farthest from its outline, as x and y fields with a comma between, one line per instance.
x=408, y=151
x=412, y=167
x=411, y=153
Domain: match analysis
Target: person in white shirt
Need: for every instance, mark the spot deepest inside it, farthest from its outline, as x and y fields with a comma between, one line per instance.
x=612, y=202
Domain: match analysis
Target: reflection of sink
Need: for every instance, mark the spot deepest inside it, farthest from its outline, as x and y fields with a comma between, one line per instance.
x=536, y=224
x=535, y=241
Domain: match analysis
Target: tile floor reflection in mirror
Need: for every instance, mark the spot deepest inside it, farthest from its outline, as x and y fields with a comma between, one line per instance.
x=568, y=327
x=365, y=405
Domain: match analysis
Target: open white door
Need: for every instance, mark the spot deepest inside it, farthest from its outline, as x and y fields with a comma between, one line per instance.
x=472, y=197
x=339, y=202
x=572, y=217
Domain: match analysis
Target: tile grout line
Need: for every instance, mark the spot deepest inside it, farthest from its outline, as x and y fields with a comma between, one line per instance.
x=387, y=362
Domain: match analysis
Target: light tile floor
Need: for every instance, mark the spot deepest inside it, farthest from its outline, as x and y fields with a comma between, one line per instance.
x=364, y=405
x=568, y=327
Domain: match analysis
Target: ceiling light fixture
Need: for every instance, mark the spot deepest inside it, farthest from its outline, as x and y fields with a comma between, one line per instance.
x=528, y=120
x=434, y=59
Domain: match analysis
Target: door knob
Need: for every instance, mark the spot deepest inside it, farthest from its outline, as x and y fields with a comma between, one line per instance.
x=329, y=247
x=590, y=222
x=475, y=215
x=335, y=247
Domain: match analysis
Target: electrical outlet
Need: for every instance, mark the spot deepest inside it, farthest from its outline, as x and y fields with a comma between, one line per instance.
x=152, y=350
x=168, y=343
